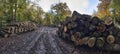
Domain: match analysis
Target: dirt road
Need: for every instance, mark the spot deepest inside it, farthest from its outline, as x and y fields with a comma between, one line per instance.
x=44, y=40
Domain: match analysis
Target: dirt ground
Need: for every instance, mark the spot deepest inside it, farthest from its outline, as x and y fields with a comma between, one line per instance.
x=44, y=40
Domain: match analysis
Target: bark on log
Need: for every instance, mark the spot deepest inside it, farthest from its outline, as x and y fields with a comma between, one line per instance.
x=84, y=29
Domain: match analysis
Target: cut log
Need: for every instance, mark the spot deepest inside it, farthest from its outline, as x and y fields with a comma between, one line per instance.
x=95, y=20
x=92, y=28
x=13, y=30
x=108, y=47
x=65, y=29
x=19, y=30
x=108, y=21
x=91, y=41
x=16, y=30
x=80, y=42
x=112, y=47
x=100, y=42
x=73, y=38
x=85, y=40
x=97, y=34
x=83, y=29
x=69, y=26
x=73, y=24
x=101, y=27
x=6, y=35
x=110, y=39
x=76, y=38
x=116, y=47
x=18, y=27
x=9, y=30
x=118, y=34
x=77, y=34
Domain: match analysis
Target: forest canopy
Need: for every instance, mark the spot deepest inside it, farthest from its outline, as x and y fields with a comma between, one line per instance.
x=27, y=10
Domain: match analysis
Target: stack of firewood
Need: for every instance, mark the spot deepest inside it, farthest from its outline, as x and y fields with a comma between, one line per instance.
x=18, y=28
x=93, y=32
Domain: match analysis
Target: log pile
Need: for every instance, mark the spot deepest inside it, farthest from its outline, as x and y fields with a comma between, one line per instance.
x=85, y=30
x=18, y=28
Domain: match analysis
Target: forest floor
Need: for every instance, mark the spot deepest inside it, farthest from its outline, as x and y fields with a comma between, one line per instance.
x=44, y=40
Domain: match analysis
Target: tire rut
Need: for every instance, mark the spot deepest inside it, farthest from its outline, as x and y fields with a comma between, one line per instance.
x=54, y=44
x=66, y=48
x=39, y=47
x=17, y=44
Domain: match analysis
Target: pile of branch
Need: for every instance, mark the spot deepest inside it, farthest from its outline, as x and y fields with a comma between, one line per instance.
x=93, y=32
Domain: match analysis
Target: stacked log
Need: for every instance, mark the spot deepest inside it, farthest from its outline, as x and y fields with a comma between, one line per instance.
x=93, y=32
x=19, y=27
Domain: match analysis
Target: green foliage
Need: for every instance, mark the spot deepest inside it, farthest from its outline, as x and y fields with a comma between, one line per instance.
x=25, y=10
x=61, y=8
x=49, y=18
x=103, y=8
x=39, y=17
x=61, y=11
x=116, y=5
x=20, y=10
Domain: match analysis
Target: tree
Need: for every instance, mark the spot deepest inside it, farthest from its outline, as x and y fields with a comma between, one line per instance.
x=49, y=18
x=10, y=9
x=17, y=10
x=103, y=8
x=61, y=11
x=40, y=14
x=116, y=6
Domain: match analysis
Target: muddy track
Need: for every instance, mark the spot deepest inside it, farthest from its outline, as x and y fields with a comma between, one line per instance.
x=17, y=43
x=44, y=40
x=46, y=44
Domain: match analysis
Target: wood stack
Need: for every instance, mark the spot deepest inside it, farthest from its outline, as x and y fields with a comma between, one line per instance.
x=18, y=28
x=84, y=29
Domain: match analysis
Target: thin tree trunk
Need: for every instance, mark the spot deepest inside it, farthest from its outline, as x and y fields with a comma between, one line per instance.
x=15, y=10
